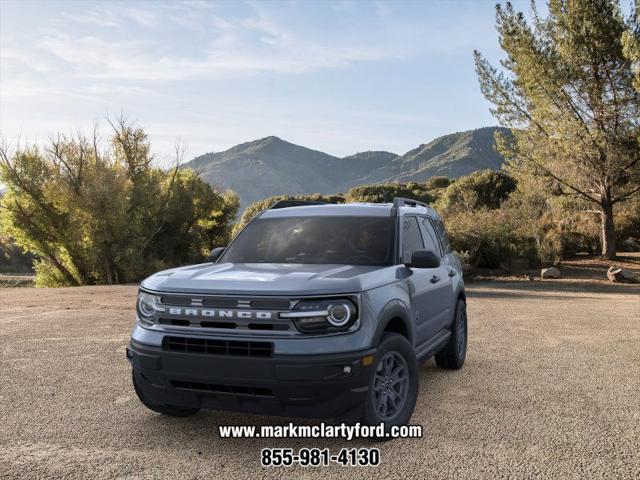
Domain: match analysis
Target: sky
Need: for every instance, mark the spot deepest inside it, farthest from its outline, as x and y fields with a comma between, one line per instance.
x=340, y=77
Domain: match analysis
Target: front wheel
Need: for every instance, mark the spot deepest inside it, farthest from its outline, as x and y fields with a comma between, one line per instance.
x=393, y=385
x=452, y=356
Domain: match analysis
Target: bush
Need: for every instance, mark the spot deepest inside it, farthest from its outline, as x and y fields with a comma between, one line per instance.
x=482, y=189
x=435, y=183
x=384, y=193
x=488, y=238
x=92, y=216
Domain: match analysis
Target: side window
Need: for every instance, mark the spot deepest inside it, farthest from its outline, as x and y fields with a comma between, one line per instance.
x=430, y=239
x=411, y=238
x=446, y=244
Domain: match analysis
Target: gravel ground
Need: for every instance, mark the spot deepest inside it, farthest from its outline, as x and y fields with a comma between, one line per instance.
x=550, y=389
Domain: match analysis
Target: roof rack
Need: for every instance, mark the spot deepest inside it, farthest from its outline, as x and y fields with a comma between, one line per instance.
x=407, y=202
x=295, y=203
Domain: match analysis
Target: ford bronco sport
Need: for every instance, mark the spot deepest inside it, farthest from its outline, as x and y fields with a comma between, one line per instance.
x=316, y=310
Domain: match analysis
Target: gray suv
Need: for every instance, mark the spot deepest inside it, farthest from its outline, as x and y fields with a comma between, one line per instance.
x=315, y=310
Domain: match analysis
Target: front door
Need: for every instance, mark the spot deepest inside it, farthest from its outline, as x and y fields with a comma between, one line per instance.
x=426, y=285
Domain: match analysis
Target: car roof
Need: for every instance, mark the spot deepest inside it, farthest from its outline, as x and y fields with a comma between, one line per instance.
x=348, y=210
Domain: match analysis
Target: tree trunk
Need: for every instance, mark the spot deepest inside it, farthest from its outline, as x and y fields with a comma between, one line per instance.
x=608, y=230
x=107, y=271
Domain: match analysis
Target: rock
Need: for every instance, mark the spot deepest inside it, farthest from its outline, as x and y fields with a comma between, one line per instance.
x=621, y=275
x=551, y=272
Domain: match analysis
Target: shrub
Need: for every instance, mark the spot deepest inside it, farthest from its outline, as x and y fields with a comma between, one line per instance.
x=482, y=189
x=94, y=216
x=435, y=183
x=386, y=192
x=488, y=238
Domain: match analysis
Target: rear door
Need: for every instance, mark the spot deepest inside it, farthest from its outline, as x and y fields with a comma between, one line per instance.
x=443, y=288
x=423, y=289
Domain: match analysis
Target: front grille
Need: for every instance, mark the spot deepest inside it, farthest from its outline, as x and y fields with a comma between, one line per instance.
x=216, y=388
x=281, y=325
x=259, y=314
x=271, y=303
x=217, y=347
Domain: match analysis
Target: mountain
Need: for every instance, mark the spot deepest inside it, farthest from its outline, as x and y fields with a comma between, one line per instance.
x=453, y=156
x=272, y=166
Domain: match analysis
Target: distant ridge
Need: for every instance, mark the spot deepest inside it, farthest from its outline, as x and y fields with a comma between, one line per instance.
x=272, y=166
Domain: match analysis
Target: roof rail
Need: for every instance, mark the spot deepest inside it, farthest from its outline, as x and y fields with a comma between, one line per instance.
x=407, y=202
x=295, y=203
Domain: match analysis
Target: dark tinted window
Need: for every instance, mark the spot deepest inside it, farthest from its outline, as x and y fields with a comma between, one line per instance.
x=411, y=237
x=442, y=234
x=341, y=240
x=429, y=236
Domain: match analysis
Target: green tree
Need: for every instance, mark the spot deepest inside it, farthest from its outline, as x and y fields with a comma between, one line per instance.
x=567, y=91
x=631, y=41
x=107, y=216
x=481, y=189
x=386, y=192
x=438, y=182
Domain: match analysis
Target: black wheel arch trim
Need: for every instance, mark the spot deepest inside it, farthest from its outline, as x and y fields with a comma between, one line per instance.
x=461, y=295
x=392, y=310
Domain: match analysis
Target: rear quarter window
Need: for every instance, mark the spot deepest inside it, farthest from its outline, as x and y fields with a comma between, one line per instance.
x=442, y=234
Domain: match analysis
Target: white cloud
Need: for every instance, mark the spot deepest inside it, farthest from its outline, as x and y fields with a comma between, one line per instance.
x=177, y=63
x=123, y=42
x=250, y=45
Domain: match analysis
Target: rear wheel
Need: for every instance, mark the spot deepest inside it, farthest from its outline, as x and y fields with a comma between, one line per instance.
x=170, y=410
x=393, y=385
x=452, y=356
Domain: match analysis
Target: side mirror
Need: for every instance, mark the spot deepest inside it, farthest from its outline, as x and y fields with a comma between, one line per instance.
x=215, y=254
x=424, y=259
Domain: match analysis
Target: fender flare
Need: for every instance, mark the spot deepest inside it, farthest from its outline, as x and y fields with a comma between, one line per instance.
x=394, y=309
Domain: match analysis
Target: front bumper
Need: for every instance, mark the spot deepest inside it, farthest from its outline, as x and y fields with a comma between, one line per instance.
x=314, y=385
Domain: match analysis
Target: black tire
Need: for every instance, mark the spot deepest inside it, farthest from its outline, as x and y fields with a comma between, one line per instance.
x=399, y=349
x=452, y=356
x=170, y=410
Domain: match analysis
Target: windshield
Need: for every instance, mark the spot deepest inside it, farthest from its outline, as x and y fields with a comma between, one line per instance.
x=340, y=240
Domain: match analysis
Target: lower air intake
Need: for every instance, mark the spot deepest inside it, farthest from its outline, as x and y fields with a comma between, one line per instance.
x=218, y=347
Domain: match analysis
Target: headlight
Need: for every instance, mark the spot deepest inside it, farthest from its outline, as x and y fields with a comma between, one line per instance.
x=146, y=307
x=339, y=315
x=323, y=315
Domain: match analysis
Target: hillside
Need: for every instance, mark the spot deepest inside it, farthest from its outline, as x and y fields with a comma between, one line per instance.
x=268, y=166
x=452, y=156
x=272, y=166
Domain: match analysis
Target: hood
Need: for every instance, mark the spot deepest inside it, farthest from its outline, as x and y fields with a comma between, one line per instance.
x=270, y=279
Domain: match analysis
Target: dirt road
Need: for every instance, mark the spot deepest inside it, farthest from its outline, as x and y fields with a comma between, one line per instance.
x=551, y=389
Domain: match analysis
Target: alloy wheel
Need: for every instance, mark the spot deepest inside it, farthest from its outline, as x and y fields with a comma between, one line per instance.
x=390, y=385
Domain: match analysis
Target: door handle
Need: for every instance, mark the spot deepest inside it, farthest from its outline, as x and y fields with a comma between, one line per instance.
x=435, y=279
x=452, y=273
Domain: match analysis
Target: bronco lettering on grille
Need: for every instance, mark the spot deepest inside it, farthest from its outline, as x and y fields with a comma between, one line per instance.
x=212, y=313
